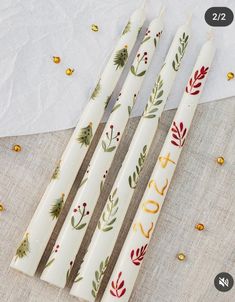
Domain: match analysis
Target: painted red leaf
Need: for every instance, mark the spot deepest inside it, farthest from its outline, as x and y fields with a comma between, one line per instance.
x=183, y=135
x=132, y=253
x=197, y=85
x=175, y=136
x=194, y=82
x=122, y=293
x=173, y=130
x=174, y=143
x=139, y=254
x=121, y=285
x=178, y=140
x=117, y=287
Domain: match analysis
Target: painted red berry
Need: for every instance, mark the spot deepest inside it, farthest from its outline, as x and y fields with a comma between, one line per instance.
x=84, y=204
x=75, y=210
x=71, y=263
x=111, y=126
x=87, y=212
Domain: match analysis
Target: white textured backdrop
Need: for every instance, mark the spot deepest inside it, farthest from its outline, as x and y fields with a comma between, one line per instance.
x=37, y=96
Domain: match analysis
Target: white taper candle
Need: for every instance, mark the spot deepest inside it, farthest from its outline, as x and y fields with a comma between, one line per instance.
x=75, y=225
x=130, y=259
x=45, y=217
x=104, y=238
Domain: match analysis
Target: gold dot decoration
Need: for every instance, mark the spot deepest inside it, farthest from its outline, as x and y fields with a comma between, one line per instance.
x=181, y=256
x=56, y=60
x=94, y=27
x=220, y=160
x=16, y=148
x=2, y=207
x=69, y=71
x=230, y=75
x=199, y=227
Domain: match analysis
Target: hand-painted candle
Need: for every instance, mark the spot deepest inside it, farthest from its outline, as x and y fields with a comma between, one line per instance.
x=130, y=259
x=53, y=200
x=106, y=233
x=75, y=225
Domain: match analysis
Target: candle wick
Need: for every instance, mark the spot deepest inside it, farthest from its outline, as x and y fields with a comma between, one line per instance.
x=162, y=11
x=143, y=5
x=210, y=34
x=189, y=19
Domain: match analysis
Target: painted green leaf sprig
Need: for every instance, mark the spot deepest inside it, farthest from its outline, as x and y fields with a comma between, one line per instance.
x=81, y=213
x=154, y=99
x=98, y=277
x=181, y=50
x=108, y=218
x=133, y=179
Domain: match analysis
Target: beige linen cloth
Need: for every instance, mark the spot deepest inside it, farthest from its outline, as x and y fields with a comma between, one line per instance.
x=201, y=192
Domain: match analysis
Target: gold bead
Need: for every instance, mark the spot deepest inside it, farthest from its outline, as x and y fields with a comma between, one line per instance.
x=181, y=256
x=69, y=71
x=230, y=75
x=16, y=148
x=56, y=60
x=2, y=207
x=94, y=27
x=200, y=227
x=220, y=160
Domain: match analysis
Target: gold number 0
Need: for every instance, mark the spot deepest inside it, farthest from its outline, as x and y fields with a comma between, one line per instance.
x=146, y=234
x=150, y=202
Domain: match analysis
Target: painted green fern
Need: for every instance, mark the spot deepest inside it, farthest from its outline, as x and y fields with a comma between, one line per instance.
x=181, y=50
x=133, y=179
x=98, y=277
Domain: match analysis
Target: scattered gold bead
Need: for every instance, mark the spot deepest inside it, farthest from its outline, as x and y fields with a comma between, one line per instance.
x=69, y=71
x=56, y=60
x=230, y=76
x=181, y=256
x=94, y=27
x=199, y=227
x=16, y=148
x=2, y=207
x=220, y=160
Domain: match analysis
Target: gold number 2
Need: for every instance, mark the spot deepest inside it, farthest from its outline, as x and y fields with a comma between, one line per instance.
x=159, y=191
x=139, y=225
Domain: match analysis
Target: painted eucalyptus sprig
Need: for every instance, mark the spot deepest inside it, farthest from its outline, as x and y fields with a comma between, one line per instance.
x=181, y=50
x=154, y=99
x=98, y=277
x=107, y=219
x=133, y=180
